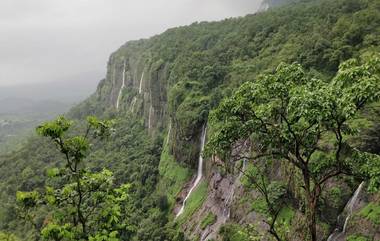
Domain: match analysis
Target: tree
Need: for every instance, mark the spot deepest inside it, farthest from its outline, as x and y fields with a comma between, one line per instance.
x=8, y=237
x=300, y=120
x=273, y=194
x=83, y=205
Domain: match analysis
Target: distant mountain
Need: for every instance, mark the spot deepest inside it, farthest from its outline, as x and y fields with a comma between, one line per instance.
x=24, y=106
x=266, y=4
x=61, y=91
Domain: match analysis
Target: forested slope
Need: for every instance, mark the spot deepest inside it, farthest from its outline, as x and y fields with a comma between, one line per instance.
x=161, y=90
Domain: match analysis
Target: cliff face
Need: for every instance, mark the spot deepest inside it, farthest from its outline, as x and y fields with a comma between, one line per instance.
x=136, y=83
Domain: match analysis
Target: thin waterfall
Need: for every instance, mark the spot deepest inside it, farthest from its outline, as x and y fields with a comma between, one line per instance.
x=348, y=210
x=133, y=102
x=169, y=131
x=150, y=116
x=141, y=81
x=121, y=88
x=199, y=173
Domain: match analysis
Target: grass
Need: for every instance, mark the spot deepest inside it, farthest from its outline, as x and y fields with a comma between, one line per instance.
x=357, y=238
x=173, y=176
x=195, y=200
x=371, y=212
x=234, y=232
x=284, y=220
x=259, y=205
x=208, y=220
x=286, y=215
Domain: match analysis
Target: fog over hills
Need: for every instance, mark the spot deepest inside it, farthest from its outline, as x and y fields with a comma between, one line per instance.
x=62, y=91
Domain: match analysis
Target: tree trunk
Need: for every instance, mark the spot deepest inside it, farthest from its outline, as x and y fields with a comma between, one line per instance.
x=311, y=219
x=311, y=202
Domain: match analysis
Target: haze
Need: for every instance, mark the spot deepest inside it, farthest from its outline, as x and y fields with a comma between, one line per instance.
x=69, y=41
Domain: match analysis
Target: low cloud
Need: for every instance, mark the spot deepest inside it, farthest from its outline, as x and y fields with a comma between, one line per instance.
x=57, y=40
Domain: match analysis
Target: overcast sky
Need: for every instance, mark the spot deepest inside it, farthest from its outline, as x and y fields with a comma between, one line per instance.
x=70, y=40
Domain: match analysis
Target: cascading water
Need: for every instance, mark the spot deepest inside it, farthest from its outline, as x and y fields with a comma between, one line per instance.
x=150, y=117
x=199, y=173
x=348, y=210
x=141, y=81
x=133, y=102
x=170, y=129
x=121, y=88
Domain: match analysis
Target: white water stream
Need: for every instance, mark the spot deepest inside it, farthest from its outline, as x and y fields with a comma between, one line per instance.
x=199, y=173
x=170, y=129
x=150, y=117
x=141, y=81
x=348, y=210
x=121, y=88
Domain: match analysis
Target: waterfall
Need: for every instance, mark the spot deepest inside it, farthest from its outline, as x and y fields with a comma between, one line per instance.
x=170, y=129
x=133, y=102
x=141, y=80
x=121, y=88
x=150, y=116
x=199, y=173
x=348, y=209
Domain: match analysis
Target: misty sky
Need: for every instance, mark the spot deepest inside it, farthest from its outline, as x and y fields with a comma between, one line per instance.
x=70, y=40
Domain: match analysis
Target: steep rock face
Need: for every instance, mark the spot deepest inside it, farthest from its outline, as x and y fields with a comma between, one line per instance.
x=145, y=86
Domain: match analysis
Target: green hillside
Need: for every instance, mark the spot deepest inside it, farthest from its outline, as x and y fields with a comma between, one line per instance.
x=173, y=81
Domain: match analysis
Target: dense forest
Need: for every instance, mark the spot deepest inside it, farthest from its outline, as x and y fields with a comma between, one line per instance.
x=280, y=107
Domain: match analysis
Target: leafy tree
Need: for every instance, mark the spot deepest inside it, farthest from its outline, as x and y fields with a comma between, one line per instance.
x=273, y=193
x=300, y=120
x=8, y=237
x=83, y=205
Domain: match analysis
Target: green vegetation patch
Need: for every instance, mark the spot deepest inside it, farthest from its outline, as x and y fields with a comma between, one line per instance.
x=334, y=196
x=284, y=220
x=7, y=237
x=210, y=219
x=234, y=232
x=260, y=206
x=357, y=238
x=174, y=175
x=195, y=200
x=371, y=212
x=286, y=215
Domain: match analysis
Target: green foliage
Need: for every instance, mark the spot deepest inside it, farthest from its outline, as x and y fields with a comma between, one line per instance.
x=84, y=205
x=173, y=175
x=357, y=238
x=259, y=205
x=234, y=232
x=335, y=195
x=194, y=201
x=27, y=199
x=54, y=129
x=369, y=164
x=208, y=220
x=371, y=212
x=197, y=66
x=284, y=222
x=8, y=237
x=287, y=113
